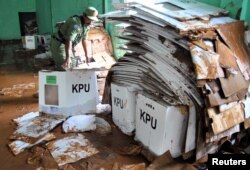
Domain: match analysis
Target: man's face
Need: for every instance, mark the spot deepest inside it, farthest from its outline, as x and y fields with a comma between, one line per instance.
x=87, y=21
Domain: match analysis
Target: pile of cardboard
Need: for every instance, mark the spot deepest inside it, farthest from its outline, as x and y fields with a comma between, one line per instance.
x=99, y=47
x=182, y=54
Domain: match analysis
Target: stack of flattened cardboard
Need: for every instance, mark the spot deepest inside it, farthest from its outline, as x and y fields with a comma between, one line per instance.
x=187, y=53
x=99, y=47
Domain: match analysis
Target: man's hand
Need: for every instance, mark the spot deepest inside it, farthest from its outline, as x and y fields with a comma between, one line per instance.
x=67, y=63
x=87, y=60
x=84, y=45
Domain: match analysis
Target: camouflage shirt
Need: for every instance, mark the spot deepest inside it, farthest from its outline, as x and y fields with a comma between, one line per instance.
x=74, y=30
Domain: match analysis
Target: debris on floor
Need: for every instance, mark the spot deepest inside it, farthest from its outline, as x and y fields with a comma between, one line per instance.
x=23, y=119
x=132, y=149
x=17, y=90
x=19, y=146
x=79, y=123
x=37, y=155
x=33, y=132
x=71, y=149
x=103, y=108
x=37, y=127
x=43, y=61
x=165, y=161
x=102, y=126
x=140, y=166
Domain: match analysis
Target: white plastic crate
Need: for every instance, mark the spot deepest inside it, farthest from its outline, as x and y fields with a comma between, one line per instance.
x=44, y=40
x=29, y=42
x=68, y=93
x=160, y=127
x=123, y=107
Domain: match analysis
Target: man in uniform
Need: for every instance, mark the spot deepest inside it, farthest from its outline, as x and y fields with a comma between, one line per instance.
x=74, y=30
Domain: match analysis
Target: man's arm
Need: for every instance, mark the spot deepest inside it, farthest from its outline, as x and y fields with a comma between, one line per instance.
x=84, y=45
x=68, y=46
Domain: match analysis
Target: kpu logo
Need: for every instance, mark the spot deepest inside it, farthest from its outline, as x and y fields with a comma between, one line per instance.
x=78, y=88
x=118, y=102
x=147, y=118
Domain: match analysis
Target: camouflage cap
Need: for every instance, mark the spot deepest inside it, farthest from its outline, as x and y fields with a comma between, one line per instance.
x=91, y=13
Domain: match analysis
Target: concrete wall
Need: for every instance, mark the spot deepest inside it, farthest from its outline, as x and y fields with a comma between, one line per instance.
x=9, y=19
x=49, y=12
x=211, y=2
x=245, y=14
x=44, y=16
x=233, y=7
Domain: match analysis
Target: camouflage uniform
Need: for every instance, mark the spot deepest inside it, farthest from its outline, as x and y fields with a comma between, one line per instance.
x=73, y=30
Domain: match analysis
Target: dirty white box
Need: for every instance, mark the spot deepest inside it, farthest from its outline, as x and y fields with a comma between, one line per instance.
x=123, y=107
x=160, y=127
x=247, y=37
x=190, y=143
x=68, y=93
x=29, y=42
x=44, y=40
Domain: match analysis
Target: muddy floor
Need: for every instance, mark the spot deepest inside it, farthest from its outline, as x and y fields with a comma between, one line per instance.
x=16, y=102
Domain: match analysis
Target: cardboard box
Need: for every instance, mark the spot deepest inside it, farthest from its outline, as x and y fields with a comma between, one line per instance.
x=247, y=37
x=160, y=127
x=123, y=107
x=29, y=42
x=190, y=143
x=44, y=40
x=246, y=103
x=68, y=93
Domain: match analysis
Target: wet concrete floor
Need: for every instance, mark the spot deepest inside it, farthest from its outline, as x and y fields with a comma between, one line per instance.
x=20, y=102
